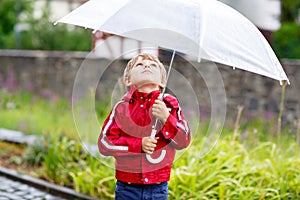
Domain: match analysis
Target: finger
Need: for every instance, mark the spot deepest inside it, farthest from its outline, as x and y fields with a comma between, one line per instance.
x=155, y=108
x=152, y=145
x=154, y=141
x=148, y=149
x=156, y=114
x=151, y=149
x=150, y=140
x=158, y=101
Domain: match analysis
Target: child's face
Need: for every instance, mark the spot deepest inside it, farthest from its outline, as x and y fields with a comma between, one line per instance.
x=144, y=72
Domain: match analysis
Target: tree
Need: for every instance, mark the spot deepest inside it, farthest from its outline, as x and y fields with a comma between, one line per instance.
x=10, y=10
x=43, y=35
x=289, y=10
x=286, y=40
x=39, y=33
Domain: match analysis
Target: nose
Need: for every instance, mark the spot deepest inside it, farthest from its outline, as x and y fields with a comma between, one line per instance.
x=146, y=64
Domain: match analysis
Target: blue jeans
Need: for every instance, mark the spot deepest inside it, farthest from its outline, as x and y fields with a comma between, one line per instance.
x=125, y=191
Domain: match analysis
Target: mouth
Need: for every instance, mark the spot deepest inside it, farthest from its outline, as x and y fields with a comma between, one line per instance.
x=146, y=71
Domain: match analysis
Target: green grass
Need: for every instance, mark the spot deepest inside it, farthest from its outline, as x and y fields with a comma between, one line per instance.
x=231, y=171
x=32, y=114
x=253, y=165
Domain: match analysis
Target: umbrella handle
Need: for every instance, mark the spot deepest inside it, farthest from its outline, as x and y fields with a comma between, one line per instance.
x=156, y=160
x=163, y=152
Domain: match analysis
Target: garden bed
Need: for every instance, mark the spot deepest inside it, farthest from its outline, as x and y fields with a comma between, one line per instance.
x=11, y=158
x=252, y=164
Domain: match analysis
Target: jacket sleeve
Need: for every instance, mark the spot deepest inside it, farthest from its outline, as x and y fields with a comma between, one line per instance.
x=113, y=142
x=176, y=128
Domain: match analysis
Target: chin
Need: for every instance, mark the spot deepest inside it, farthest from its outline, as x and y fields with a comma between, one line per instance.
x=147, y=83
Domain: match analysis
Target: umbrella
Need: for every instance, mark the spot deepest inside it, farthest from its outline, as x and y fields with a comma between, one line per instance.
x=205, y=29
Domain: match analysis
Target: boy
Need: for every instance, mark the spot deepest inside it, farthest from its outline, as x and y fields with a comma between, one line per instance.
x=126, y=132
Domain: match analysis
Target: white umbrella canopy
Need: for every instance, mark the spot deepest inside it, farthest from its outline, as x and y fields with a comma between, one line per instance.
x=205, y=29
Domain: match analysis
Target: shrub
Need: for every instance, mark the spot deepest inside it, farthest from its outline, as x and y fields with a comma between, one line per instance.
x=286, y=41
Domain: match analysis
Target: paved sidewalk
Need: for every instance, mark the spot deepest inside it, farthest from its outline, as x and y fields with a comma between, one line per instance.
x=14, y=190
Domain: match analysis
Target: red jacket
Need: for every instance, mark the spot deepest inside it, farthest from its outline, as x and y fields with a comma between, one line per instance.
x=129, y=121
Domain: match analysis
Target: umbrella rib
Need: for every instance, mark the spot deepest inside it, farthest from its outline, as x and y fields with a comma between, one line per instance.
x=201, y=34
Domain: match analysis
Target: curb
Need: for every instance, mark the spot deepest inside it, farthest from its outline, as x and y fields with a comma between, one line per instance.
x=45, y=186
x=17, y=137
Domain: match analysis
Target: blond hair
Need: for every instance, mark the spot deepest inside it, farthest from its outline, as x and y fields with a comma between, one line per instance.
x=145, y=56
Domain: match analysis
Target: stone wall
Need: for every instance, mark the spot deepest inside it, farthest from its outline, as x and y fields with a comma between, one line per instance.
x=52, y=74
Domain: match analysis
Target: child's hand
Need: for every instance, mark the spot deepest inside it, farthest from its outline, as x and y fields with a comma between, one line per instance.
x=149, y=144
x=160, y=110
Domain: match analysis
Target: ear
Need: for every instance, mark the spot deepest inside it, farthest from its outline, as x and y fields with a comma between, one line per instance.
x=161, y=85
x=127, y=82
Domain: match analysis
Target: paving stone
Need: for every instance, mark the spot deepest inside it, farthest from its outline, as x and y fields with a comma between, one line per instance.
x=37, y=193
x=29, y=196
x=23, y=187
x=4, y=187
x=14, y=190
x=32, y=189
x=21, y=193
x=50, y=197
x=9, y=195
x=10, y=190
x=14, y=184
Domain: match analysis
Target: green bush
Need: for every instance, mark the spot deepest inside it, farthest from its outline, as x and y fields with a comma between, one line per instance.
x=63, y=161
x=231, y=171
x=286, y=41
x=45, y=36
x=289, y=10
x=42, y=34
x=9, y=14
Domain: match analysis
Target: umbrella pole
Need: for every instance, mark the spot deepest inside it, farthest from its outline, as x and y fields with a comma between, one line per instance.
x=153, y=132
x=168, y=74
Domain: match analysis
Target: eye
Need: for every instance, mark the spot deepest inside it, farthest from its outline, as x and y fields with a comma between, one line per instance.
x=139, y=64
x=153, y=65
